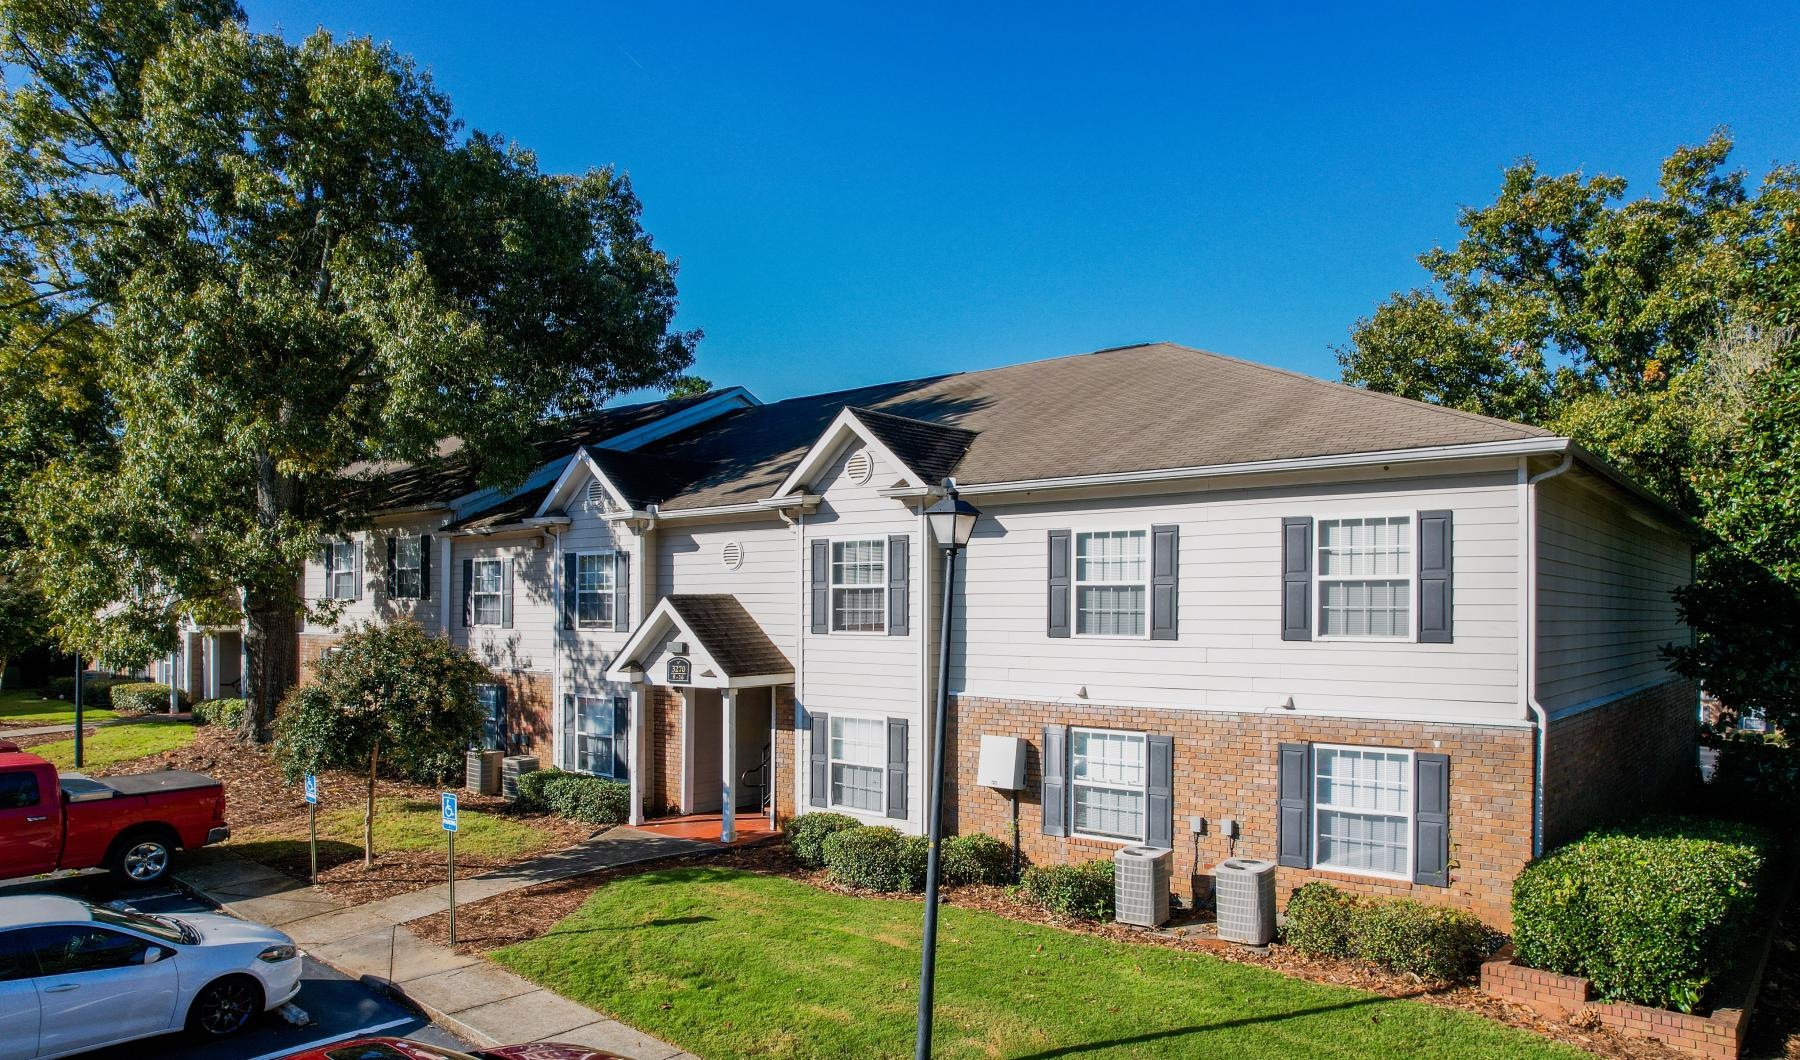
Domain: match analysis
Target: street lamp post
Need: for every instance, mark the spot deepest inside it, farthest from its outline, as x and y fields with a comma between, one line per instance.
x=952, y=522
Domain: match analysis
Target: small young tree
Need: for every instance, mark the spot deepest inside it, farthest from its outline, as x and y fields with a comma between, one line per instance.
x=389, y=695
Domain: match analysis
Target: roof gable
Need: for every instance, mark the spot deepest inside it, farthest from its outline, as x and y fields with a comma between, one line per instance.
x=729, y=648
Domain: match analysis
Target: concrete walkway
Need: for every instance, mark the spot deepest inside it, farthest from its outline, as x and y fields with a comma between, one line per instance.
x=68, y=728
x=483, y=1003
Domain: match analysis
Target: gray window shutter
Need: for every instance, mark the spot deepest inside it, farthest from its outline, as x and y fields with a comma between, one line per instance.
x=468, y=594
x=818, y=747
x=1055, y=794
x=899, y=566
x=896, y=768
x=1435, y=530
x=821, y=587
x=1296, y=577
x=1294, y=803
x=621, y=591
x=1165, y=563
x=1431, y=820
x=571, y=576
x=1059, y=585
x=570, y=756
x=357, y=593
x=1159, y=792
x=330, y=569
x=506, y=593
x=424, y=566
x=621, y=738
x=393, y=568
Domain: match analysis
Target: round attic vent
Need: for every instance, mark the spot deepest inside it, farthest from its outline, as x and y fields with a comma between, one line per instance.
x=860, y=467
x=596, y=497
x=732, y=555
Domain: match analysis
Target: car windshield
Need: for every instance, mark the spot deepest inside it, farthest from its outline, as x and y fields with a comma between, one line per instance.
x=166, y=928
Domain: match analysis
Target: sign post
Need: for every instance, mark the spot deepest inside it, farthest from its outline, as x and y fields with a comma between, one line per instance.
x=449, y=801
x=312, y=823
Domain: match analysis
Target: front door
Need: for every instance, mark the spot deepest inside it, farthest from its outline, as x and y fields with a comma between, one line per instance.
x=32, y=824
x=706, y=756
x=95, y=988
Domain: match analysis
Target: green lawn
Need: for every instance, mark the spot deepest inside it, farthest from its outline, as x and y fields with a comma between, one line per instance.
x=25, y=707
x=405, y=824
x=118, y=743
x=725, y=963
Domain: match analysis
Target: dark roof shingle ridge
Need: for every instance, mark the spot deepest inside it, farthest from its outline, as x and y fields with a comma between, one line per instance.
x=863, y=410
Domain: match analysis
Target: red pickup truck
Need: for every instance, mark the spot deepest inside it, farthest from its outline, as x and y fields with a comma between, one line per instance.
x=131, y=825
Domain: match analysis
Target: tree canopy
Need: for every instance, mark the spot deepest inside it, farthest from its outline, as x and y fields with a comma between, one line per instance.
x=250, y=264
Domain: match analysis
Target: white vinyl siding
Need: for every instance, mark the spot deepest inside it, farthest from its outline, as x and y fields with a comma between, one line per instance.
x=488, y=588
x=1364, y=572
x=594, y=590
x=1111, y=576
x=859, y=586
x=1107, y=771
x=409, y=582
x=1363, y=811
x=859, y=764
x=346, y=569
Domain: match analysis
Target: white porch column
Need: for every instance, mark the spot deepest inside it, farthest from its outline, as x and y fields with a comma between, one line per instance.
x=728, y=814
x=635, y=740
x=209, y=681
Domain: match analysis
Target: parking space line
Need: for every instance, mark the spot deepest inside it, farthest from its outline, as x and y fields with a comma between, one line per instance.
x=334, y=1039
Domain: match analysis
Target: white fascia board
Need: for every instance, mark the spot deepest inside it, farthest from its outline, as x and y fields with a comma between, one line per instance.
x=1521, y=447
x=523, y=526
x=727, y=400
x=572, y=472
x=827, y=443
x=487, y=498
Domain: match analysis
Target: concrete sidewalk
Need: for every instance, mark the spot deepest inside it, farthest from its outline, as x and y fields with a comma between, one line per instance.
x=483, y=1003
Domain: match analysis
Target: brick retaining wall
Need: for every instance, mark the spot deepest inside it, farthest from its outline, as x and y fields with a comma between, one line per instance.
x=1559, y=997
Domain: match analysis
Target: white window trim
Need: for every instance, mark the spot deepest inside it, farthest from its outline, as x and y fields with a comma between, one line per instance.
x=1411, y=578
x=475, y=597
x=399, y=537
x=1076, y=584
x=1143, y=789
x=831, y=762
x=833, y=585
x=612, y=587
x=621, y=741
x=1313, y=806
x=337, y=572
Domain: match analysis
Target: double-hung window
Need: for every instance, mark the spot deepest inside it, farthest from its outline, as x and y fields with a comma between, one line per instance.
x=859, y=586
x=1362, y=810
x=1110, y=573
x=1365, y=575
x=486, y=590
x=346, y=570
x=1107, y=773
x=859, y=763
x=594, y=590
x=409, y=568
x=599, y=741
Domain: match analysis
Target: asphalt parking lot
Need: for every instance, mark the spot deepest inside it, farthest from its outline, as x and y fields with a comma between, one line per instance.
x=337, y=1007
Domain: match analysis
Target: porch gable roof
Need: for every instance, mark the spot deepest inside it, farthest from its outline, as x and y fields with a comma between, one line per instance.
x=735, y=648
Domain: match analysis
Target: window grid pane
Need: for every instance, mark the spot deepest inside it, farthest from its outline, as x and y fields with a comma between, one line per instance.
x=1107, y=774
x=1362, y=799
x=1110, y=593
x=858, y=763
x=486, y=592
x=1110, y=610
x=408, y=579
x=593, y=591
x=859, y=586
x=1110, y=556
x=1365, y=569
x=346, y=563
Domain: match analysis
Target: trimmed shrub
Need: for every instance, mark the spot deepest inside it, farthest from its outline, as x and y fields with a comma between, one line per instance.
x=1084, y=890
x=876, y=858
x=95, y=691
x=1651, y=913
x=577, y=796
x=806, y=835
x=1318, y=920
x=975, y=858
x=142, y=697
x=1410, y=937
x=228, y=713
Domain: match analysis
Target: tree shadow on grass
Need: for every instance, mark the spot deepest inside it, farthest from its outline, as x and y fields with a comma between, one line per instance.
x=1199, y=1028
x=292, y=856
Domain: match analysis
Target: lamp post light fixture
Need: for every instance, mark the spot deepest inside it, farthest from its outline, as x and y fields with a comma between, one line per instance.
x=952, y=523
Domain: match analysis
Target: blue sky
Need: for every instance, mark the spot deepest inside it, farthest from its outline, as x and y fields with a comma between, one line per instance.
x=867, y=192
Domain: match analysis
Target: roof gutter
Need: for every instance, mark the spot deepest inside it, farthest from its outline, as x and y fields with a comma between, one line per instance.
x=535, y=523
x=1540, y=718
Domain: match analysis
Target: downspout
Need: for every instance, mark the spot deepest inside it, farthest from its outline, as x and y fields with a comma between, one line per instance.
x=556, y=652
x=1539, y=717
x=801, y=584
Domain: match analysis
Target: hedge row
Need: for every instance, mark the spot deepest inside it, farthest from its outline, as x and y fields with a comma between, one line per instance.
x=227, y=713
x=881, y=859
x=1399, y=934
x=95, y=691
x=1651, y=913
x=577, y=796
x=1084, y=890
x=141, y=697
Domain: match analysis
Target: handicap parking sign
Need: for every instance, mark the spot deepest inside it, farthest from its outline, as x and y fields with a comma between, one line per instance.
x=312, y=788
x=449, y=811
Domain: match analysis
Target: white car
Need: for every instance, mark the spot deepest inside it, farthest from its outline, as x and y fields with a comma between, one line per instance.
x=75, y=976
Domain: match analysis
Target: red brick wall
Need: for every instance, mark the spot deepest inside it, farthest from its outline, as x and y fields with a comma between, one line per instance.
x=312, y=647
x=1225, y=766
x=1621, y=759
x=530, y=715
x=782, y=762
x=662, y=782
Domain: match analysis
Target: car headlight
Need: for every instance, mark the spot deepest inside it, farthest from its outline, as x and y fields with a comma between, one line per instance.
x=277, y=954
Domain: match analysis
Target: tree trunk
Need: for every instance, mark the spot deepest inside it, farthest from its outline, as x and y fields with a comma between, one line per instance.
x=272, y=641
x=369, y=811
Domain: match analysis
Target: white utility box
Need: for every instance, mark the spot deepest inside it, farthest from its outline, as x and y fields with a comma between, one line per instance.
x=1002, y=765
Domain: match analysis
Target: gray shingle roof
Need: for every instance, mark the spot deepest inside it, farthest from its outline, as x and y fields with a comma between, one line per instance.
x=728, y=633
x=931, y=450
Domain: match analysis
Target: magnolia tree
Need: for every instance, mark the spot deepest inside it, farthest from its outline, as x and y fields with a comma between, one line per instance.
x=390, y=697
x=248, y=265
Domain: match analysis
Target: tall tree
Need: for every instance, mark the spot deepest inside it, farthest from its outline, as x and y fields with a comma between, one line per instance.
x=294, y=262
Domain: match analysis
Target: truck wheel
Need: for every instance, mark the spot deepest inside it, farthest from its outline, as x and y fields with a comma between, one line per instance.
x=224, y=1007
x=142, y=858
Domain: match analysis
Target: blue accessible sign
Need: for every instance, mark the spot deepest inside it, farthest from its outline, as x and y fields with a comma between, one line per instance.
x=449, y=811
x=312, y=788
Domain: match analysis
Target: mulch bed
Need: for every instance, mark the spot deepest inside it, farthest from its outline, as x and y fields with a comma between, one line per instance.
x=530, y=913
x=1775, y=1025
